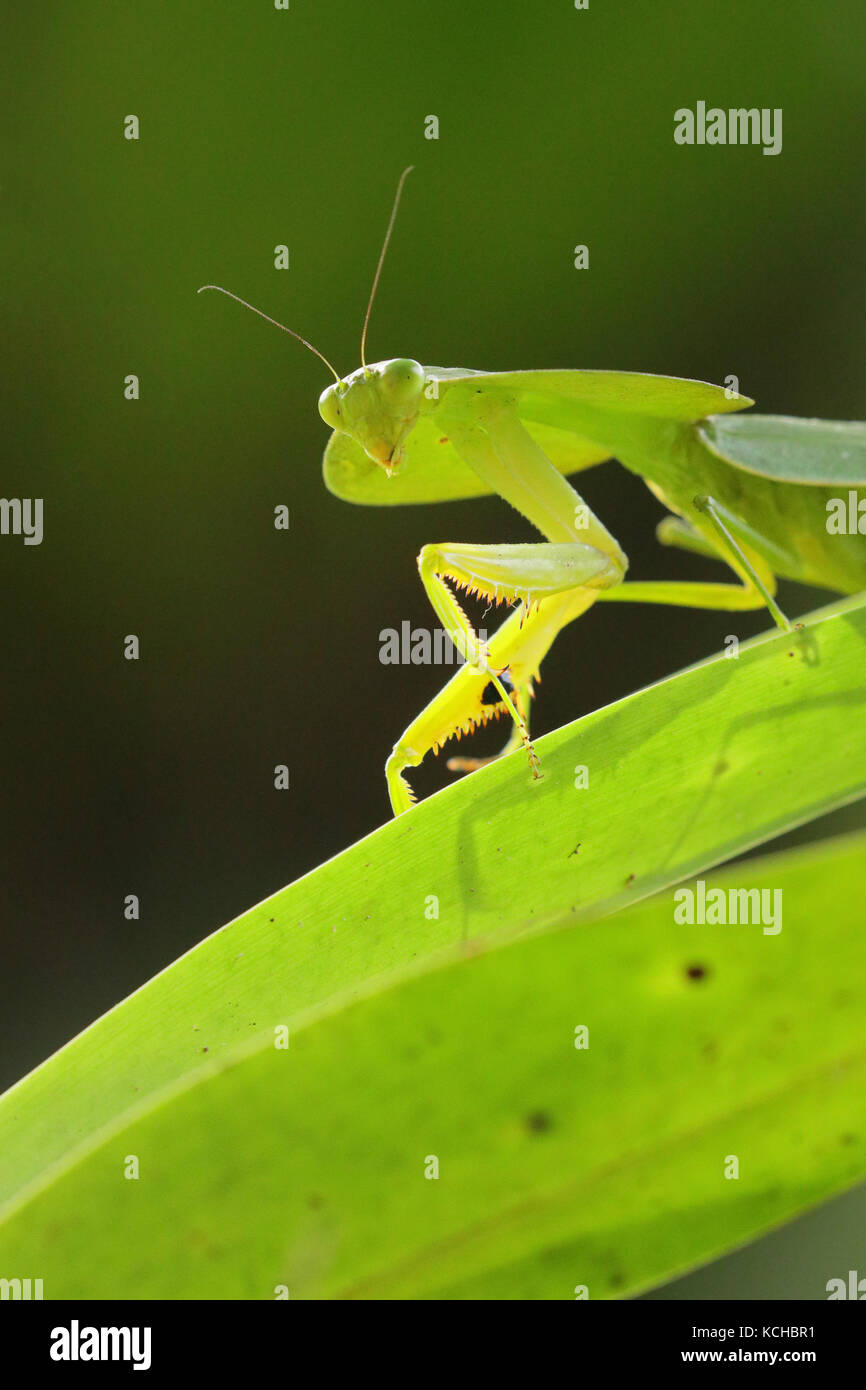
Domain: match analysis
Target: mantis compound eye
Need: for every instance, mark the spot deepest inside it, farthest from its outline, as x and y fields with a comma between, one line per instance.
x=329, y=408
x=402, y=380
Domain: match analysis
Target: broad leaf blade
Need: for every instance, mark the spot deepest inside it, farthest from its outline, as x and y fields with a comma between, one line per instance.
x=603, y=1166
x=682, y=776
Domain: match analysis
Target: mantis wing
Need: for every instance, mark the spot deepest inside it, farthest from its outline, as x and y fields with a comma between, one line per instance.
x=565, y=412
x=789, y=449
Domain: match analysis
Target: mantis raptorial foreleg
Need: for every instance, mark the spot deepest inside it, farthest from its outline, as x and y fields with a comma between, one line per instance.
x=526, y=574
x=522, y=696
x=572, y=577
x=553, y=582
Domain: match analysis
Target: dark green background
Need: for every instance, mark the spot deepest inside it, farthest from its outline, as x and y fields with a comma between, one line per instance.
x=261, y=127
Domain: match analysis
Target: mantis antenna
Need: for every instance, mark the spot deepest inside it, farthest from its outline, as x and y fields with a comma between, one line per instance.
x=406, y=172
x=263, y=315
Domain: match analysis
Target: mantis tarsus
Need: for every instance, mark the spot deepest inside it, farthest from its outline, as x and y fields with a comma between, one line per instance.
x=751, y=491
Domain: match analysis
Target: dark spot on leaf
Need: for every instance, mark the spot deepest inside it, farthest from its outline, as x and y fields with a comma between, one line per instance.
x=444, y=439
x=538, y=1121
x=696, y=972
x=845, y=1139
x=629, y=880
x=617, y=1281
x=720, y=767
x=315, y=1201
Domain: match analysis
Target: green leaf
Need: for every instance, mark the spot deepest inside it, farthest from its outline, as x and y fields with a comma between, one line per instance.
x=790, y=449
x=681, y=776
x=608, y=1166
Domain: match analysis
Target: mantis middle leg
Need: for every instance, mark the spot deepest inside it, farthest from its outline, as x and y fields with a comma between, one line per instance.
x=757, y=585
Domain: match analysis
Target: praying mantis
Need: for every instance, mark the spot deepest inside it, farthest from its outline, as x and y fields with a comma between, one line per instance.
x=757, y=492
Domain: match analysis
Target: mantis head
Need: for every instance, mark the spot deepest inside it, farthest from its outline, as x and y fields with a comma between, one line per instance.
x=377, y=406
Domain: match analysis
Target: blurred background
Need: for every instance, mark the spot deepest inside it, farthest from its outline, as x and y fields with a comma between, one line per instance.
x=261, y=127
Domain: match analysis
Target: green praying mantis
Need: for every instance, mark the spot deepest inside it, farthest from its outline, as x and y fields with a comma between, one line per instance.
x=758, y=492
